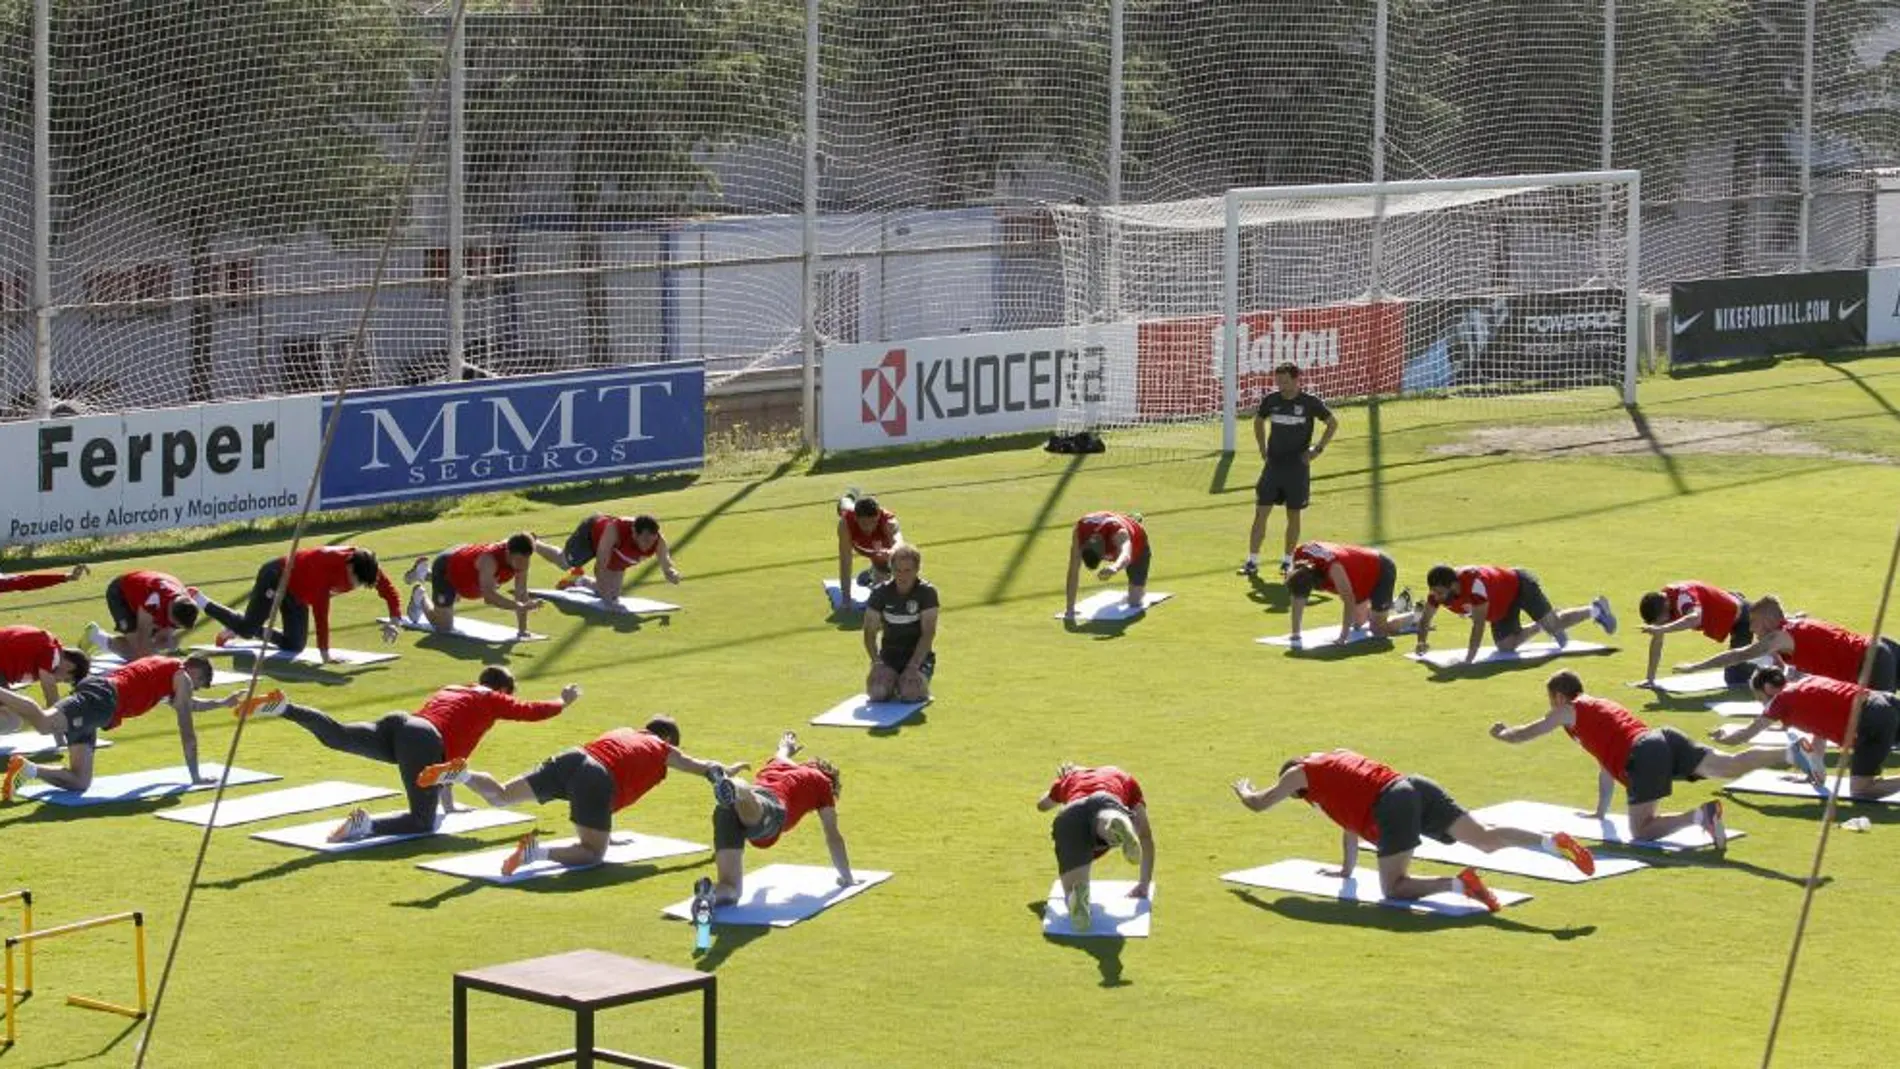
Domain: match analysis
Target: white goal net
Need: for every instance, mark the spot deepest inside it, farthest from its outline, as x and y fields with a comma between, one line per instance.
x=1472, y=286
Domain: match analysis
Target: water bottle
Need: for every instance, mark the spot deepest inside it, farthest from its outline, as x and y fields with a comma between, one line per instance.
x=1856, y=824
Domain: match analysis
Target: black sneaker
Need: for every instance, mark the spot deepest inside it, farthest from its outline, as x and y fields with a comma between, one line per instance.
x=1250, y=569
x=724, y=792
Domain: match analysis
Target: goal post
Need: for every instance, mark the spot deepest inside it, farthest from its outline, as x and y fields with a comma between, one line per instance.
x=1464, y=287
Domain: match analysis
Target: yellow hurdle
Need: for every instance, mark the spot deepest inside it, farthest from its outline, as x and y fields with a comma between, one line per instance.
x=25, y=898
x=28, y=938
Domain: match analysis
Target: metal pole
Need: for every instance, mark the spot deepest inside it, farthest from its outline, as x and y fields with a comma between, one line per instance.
x=1609, y=84
x=1116, y=46
x=1632, y=268
x=808, y=298
x=1807, y=130
x=457, y=179
x=42, y=213
x=1381, y=63
x=1230, y=325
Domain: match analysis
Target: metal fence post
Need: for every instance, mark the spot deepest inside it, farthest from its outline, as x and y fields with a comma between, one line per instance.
x=42, y=208
x=457, y=182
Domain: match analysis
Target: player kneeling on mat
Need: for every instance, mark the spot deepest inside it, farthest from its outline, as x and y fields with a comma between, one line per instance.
x=905, y=610
x=1502, y=598
x=774, y=802
x=1824, y=707
x=1107, y=543
x=1364, y=580
x=612, y=544
x=475, y=572
x=866, y=529
x=1373, y=802
x=32, y=655
x=1101, y=809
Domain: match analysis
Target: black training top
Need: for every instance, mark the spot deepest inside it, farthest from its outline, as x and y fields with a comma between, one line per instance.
x=1292, y=422
x=902, y=613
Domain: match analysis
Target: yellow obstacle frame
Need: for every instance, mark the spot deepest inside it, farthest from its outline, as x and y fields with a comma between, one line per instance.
x=28, y=938
x=24, y=897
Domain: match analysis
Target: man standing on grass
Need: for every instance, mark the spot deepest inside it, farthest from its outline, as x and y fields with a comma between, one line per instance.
x=1107, y=543
x=1689, y=604
x=1815, y=647
x=771, y=805
x=1501, y=598
x=905, y=610
x=1646, y=761
x=1370, y=801
x=475, y=572
x=1824, y=707
x=1363, y=578
x=1101, y=809
x=1288, y=453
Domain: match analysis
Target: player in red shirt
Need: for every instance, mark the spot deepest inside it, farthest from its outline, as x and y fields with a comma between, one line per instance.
x=1371, y=801
x=1813, y=646
x=103, y=702
x=613, y=544
x=1645, y=760
x=1692, y=605
x=774, y=802
x=1501, y=598
x=448, y=727
x=317, y=575
x=1364, y=580
x=149, y=611
x=475, y=572
x=1101, y=809
x=40, y=580
x=31, y=655
x=1119, y=540
x=866, y=529
x=596, y=780
x=1828, y=709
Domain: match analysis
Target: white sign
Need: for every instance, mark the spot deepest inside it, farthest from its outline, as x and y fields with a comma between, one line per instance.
x=969, y=385
x=1883, y=307
x=148, y=471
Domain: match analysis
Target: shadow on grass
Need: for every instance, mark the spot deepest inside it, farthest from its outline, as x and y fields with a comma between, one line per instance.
x=1272, y=596
x=904, y=456
x=1704, y=859
x=1332, y=911
x=1342, y=653
x=1103, y=630
x=587, y=880
x=1487, y=669
x=1014, y=562
x=915, y=720
x=728, y=939
x=1106, y=950
x=1876, y=395
x=1670, y=467
x=407, y=850
x=131, y=1027
x=462, y=649
x=48, y=812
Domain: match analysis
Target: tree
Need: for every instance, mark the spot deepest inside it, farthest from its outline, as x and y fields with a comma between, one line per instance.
x=215, y=117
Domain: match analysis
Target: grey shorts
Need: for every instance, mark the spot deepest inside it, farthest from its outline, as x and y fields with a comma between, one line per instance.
x=1289, y=483
x=1660, y=757
x=1530, y=602
x=1886, y=675
x=1138, y=568
x=1074, y=830
x=125, y=619
x=729, y=834
x=1411, y=806
x=584, y=783
x=441, y=591
x=1383, y=590
x=1879, y=729
x=88, y=709
x=579, y=550
x=896, y=659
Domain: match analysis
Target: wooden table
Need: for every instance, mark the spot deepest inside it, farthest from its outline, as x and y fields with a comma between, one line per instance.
x=585, y=981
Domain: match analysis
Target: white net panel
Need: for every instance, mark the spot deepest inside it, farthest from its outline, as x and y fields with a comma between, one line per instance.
x=1472, y=290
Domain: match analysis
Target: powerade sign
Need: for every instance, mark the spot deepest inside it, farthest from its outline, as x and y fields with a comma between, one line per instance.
x=462, y=438
x=1731, y=318
x=971, y=385
x=1523, y=339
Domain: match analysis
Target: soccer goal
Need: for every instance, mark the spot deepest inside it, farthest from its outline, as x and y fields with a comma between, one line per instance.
x=1513, y=284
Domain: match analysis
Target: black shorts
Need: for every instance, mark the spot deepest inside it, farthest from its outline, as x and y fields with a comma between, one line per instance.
x=441, y=591
x=896, y=659
x=1074, y=830
x=125, y=619
x=1741, y=634
x=88, y=709
x=579, y=551
x=729, y=834
x=1660, y=757
x=1138, y=568
x=1530, y=602
x=583, y=782
x=1886, y=675
x=1288, y=482
x=1408, y=807
x=1383, y=590
x=1879, y=730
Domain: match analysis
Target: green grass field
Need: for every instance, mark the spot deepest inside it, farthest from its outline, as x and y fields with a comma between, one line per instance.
x=292, y=960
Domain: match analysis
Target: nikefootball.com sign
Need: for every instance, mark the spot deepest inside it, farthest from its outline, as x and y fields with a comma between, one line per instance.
x=1730, y=318
x=969, y=385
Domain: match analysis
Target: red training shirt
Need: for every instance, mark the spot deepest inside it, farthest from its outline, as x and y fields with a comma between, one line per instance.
x=800, y=788
x=1824, y=649
x=154, y=592
x=464, y=563
x=1483, y=584
x=626, y=552
x=1082, y=782
x=462, y=715
x=1606, y=731
x=881, y=538
x=25, y=652
x=142, y=685
x=1817, y=705
x=1344, y=785
x=1105, y=524
x=1361, y=564
x=322, y=573
x=1720, y=609
x=637, y=760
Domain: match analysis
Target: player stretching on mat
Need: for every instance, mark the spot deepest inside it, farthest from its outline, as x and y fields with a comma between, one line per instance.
x=1822, y=707
x=596, y=780
x=1119, y=540
x=40, y=580
x=1689, y=604
x=149, y=610
x=316, y=576
x=475, y=572
x=1370, y=801
x=1815, y=647
x=448, y=727
x=1288, y=453
x=1645, y=760
x=1102, y=809
x=1502, y=597
x=868, y=529
x=1363, y=578
x=613, y=544
x=30, y=655
x=774, y=802
x=103, y=702
x=905, y=610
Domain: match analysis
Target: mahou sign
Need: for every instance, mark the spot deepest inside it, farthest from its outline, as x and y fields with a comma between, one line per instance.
x=1347, y=350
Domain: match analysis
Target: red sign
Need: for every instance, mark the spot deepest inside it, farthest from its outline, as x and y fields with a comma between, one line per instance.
x=1345, y=350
